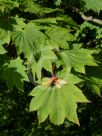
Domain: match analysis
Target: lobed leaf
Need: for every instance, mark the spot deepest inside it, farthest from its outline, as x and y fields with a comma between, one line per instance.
x=14, y=74
x=59, y=36
x=95, y=5
x=45, y=61
x=57, y=103
x=78, y=58
x=29, y=40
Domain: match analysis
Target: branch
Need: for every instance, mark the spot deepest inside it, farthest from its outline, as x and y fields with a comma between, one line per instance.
x=88, y=18
x=30, y=77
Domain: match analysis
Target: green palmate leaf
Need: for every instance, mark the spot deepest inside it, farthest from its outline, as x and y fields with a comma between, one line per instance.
x=19, y=25
x=2, y=50
x=45, y=61
x=69, y=21
x=67, y=76
x=10, y=25
x=95, y=5
x=14, y=74
x=94, y=78
x=29, y=40
x=33, y=7
x=59, y=36
x=78, y=58
x=57, y=102
x=7, y=5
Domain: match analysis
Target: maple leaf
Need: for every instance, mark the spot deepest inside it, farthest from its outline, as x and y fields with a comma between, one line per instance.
x=59, y=36
x=45, y=61
x=6, y=6
x=19, y=25
x=28, y=40
x=57, y=102
x=14, y=74
x=78, y=58
x=95, y=5
x=35, y=8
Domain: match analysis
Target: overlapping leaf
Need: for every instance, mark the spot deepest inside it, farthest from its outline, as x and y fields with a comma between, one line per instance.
x=7, y=5
x=95, y=5
x=19, y=25
x=57, y=103
x=59, y=36
x=45, y=61
x=78, y=58
x=29, y=40
x=14, y=74
x=33, y=7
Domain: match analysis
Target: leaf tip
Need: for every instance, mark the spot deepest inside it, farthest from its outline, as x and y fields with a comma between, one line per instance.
x=77, y=122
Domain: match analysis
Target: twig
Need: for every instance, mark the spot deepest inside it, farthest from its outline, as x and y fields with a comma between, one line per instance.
x=88, y=18
x=30, y=76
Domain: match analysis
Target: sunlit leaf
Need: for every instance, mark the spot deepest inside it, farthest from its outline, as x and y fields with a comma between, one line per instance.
x=57, y=103
x=78, y=58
